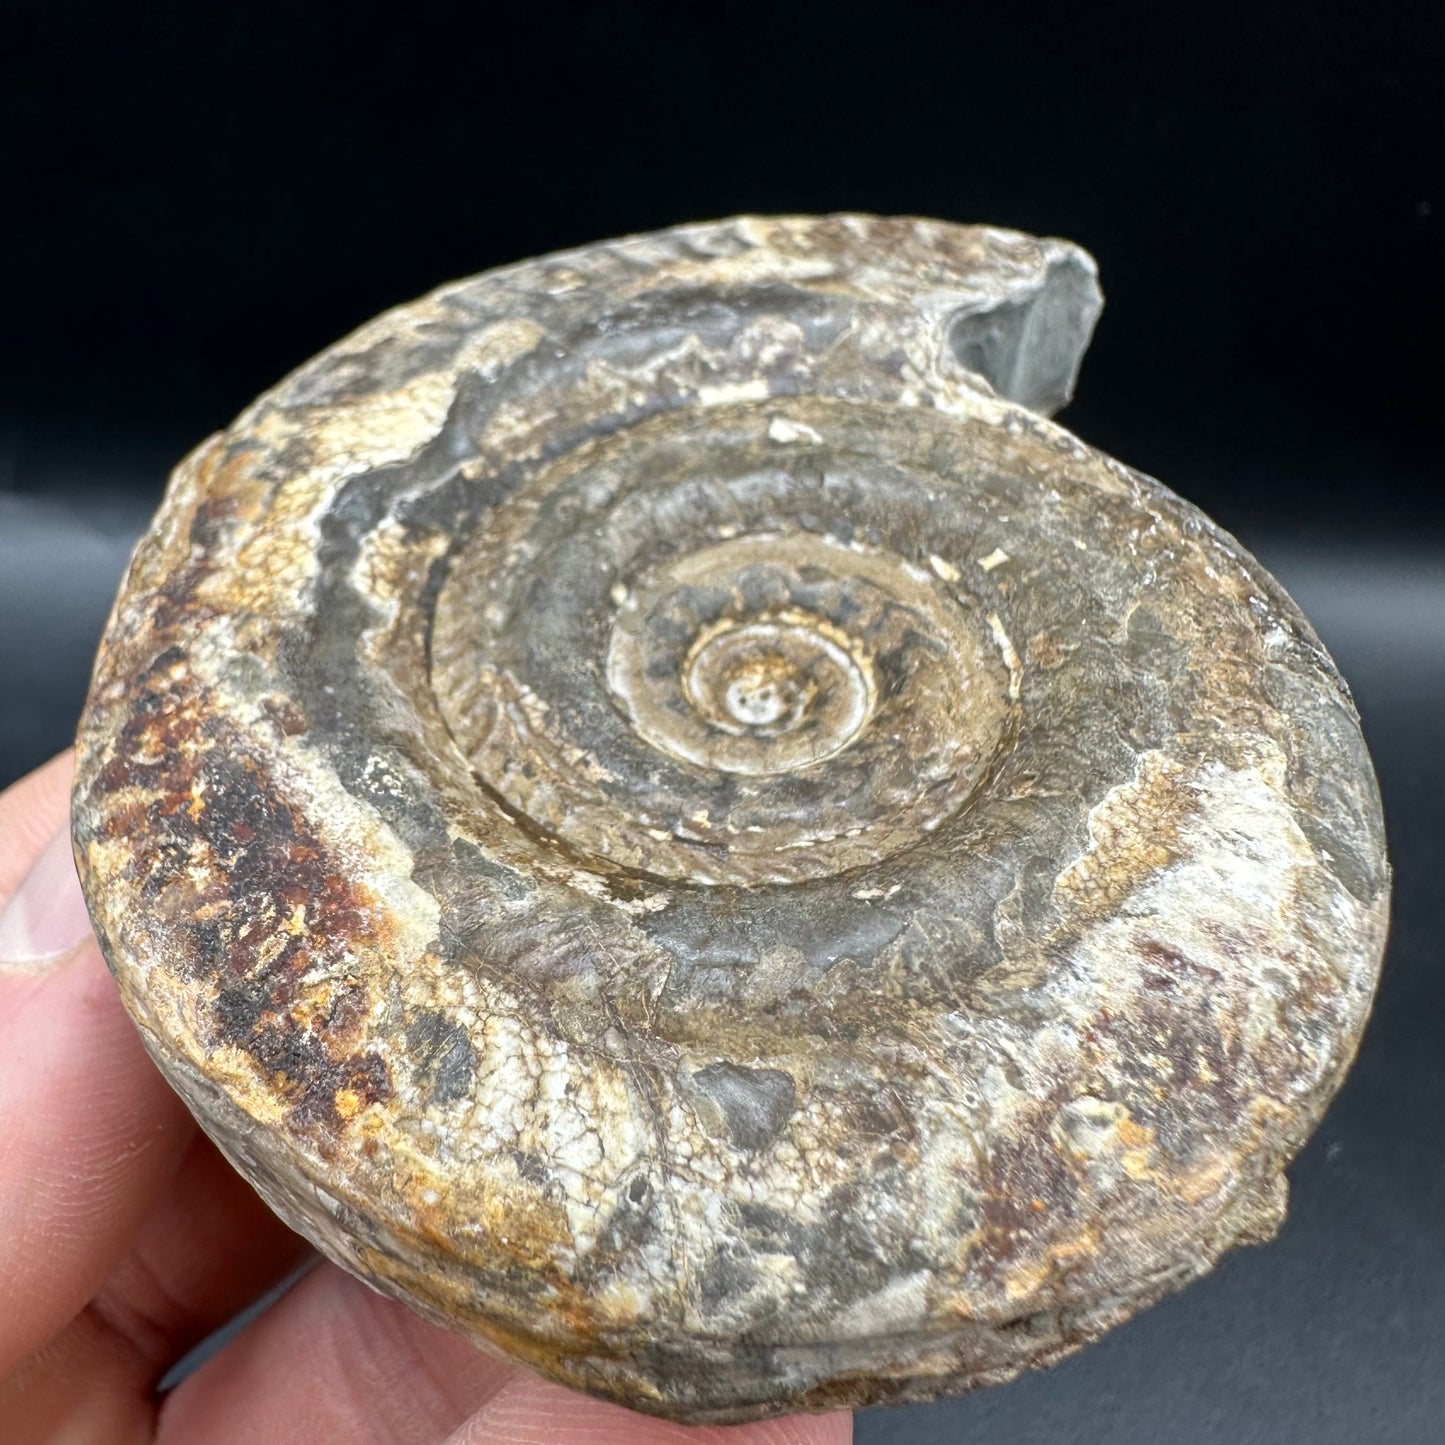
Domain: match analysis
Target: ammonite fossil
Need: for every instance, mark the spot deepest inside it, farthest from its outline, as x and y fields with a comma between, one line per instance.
x=664, y=815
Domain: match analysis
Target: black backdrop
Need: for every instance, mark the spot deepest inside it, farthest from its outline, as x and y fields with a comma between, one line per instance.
x=195, y=198
x=199, y=197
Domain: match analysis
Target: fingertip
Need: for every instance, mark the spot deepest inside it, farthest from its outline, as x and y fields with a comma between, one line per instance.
x=32, y=812
x=45, y=918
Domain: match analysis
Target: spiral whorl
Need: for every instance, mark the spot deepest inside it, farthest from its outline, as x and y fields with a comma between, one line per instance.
x=662, y=813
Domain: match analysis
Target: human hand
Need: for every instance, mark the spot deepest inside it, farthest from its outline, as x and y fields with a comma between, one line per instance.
x=127, y=1239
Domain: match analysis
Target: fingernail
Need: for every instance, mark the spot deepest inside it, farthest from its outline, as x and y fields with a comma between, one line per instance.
x=45, y=918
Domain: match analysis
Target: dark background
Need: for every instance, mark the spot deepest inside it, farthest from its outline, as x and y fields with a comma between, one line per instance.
x=194, y=199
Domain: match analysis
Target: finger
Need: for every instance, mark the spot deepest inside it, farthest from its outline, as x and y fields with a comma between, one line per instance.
x=42, y=915
x=88, y=1130
x=83, y=1397
x=532, y=1411
x=30, y=813
x=208, y=1248
x=88, y=1134
x=333, y=1362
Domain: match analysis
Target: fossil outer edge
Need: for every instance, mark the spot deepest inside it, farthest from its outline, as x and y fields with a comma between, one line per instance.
x=662, y=814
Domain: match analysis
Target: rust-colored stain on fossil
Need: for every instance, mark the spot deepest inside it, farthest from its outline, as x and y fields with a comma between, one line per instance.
x=663, y=813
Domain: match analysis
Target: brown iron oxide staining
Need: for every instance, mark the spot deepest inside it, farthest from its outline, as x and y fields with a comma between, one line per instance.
x=1121, y=855
x=252, y=898
x=664, y=815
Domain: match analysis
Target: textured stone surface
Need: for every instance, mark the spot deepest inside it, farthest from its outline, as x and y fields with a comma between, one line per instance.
x=663, y=814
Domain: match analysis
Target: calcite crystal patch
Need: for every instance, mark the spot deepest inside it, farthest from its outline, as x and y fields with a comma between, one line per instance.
x=663, y=814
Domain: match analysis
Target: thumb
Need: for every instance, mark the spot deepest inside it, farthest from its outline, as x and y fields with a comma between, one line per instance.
x=31, y=813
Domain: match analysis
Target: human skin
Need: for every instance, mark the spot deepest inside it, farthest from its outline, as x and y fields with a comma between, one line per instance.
x=129, y=1239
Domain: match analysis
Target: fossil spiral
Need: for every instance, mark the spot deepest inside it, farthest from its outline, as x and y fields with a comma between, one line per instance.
x=663, y=814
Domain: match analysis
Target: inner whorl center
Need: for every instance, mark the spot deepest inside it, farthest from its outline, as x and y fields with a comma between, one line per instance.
x=767, y=693
x=789, y=689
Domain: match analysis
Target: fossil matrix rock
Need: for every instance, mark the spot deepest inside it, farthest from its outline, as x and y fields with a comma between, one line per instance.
x=665, y=816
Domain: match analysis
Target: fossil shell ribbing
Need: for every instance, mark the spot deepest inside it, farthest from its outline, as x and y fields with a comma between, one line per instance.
x=663, y=814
